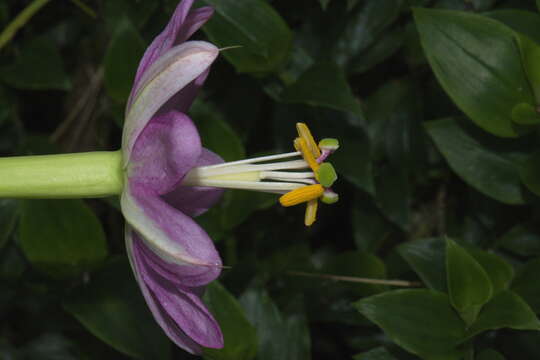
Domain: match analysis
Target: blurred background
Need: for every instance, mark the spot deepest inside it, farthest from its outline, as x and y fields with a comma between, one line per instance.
x=413, y=168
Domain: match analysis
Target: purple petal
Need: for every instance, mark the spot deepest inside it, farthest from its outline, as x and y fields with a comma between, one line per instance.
x=182, y=305
x=182, y=100
x=171, y=325
x=194, y=201
x=181, y=26
x=165, y=151
x=170, y=234
x=167, y=76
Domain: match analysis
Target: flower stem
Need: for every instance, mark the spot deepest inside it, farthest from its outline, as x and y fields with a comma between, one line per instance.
x=21, y=19
x=80, y=175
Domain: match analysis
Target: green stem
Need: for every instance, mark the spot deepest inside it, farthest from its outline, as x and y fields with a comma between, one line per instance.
x=80, y=175
x=21, y=19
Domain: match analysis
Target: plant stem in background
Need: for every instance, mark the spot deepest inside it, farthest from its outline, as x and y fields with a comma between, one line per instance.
x=9, y=32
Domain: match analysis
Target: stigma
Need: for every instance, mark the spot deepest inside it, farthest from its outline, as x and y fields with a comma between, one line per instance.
x=302, y=176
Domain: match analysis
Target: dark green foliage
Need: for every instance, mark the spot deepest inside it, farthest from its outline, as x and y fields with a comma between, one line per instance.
x=436, y=107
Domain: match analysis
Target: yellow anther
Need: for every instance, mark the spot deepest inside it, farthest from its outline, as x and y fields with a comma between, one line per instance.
x=300, y=145
x=301, y=195
x=311, y=212
x=305, y=134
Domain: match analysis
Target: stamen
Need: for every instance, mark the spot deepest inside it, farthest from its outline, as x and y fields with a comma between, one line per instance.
x=302, y=194
x=270, y=186
x=255, y=160
x=311, y=212
x=305, y=134
x=300, y=144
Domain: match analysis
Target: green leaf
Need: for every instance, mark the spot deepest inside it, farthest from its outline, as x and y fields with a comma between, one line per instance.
x=499, y=271
x=61, y=237
x=469, y=286
x=489, y=354
x=49, y=346
x=525, y=114
x=363, y=28
x=530, y=173
x=38, y=67
x=421, y=321
x=279, y=337
x=427, y=258
x=216, y=134
x=379, y=353
x=478, y=63
x=524, y=22
x=488, y=164
x=263, y=35
x=239, y=335
x=112, y=308
x=122, y=58
x=526, y=284
x=522, y=239
x=352, y=160
x=369, y=226
x=505, y=310
x=388, y=44
x=324, y=3
x=323, y=84
x=8, y=216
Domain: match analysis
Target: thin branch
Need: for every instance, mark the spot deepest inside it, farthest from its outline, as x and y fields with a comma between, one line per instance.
x=85, y=8
x=24, y=16
x=403, y=283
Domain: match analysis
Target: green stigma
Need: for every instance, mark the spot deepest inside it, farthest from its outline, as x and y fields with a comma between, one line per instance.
x=326, y=174
x=329, y=144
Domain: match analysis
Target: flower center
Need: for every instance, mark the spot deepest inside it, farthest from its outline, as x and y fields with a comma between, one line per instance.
x=281, y=174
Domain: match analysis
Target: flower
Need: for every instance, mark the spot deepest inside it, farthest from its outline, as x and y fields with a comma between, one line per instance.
x=171, y=256
x=170, y=178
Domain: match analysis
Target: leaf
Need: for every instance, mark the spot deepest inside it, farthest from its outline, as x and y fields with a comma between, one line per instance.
x=263, y=35
x=530, y=173
x=469, y=286
x=478, y=63
x=8, y=216
x=279, y=338
x=378, y=353
x=489, y=354
x=112, y=308
x=323, y=84
x=324, y=3
x=363, y=28
x=522, y=239
x=499, y=271
x=525, y=114
x=505, y=310
x=390, y=42
x=121, y=59
x=61, y=237
x=421, y=321
x=427, y=259
x=526, y=284
x=239, y=335
x=524, y=22
x=369, y=226
x=38, y=67
x=216, y=134
x=49, y=346
x=490, y=165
